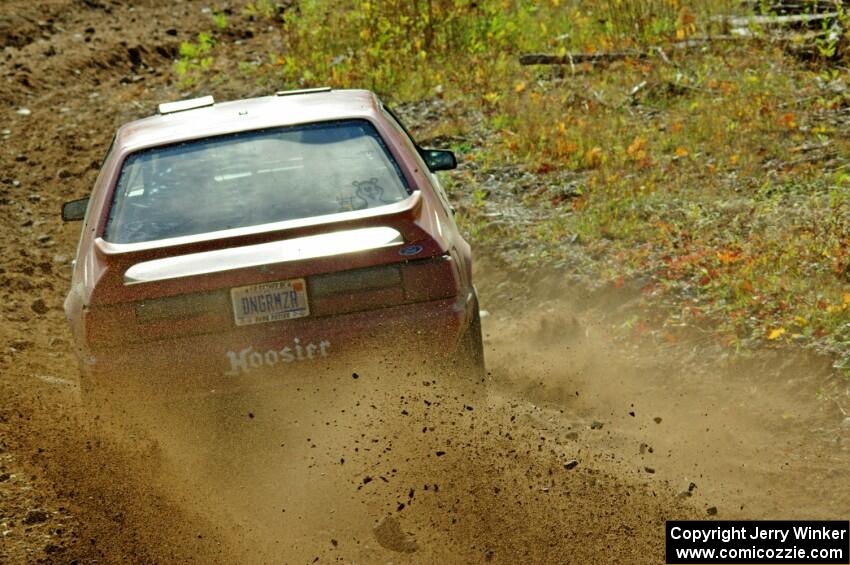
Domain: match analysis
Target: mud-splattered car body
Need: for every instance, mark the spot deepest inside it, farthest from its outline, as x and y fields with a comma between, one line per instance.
x=215, y=286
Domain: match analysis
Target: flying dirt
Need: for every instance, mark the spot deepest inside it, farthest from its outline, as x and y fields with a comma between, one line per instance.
x=582, y=443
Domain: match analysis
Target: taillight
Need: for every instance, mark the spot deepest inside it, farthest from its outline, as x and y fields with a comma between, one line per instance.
x=356, y=290
x=388, y=285
x=430, y=279
x=181, y=307
x=161, y=318
x=355, y=281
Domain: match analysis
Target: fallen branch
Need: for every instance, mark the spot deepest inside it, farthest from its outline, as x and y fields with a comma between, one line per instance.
x=607, y=57
x=772, y=21
x=578, y=58
x=793, y=6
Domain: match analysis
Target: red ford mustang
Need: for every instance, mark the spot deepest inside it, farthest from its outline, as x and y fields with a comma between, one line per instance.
x=226, y=241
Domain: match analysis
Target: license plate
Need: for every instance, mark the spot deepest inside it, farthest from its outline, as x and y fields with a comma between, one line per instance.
x=269, y=302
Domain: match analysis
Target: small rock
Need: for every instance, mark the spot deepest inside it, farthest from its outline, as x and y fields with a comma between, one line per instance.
x=64, y=174
x=846, y=423
x=596, y=425
x=35, y=517
x=39, y=307
x=684, y=494
x=4, y=477
x=649, y=470
x=571, y=464
x=24, y=111
x=21, y=158
x=657, y=419
x=483, y=313
x=51, y=548
x=711, y=511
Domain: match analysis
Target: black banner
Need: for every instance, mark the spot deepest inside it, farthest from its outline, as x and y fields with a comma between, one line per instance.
x=761, y=542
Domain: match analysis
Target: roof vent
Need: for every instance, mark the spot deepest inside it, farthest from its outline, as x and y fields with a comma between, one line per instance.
x=303, y=91
x=183, y=105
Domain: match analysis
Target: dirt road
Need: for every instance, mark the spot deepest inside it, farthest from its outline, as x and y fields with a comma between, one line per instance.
x=585, y=444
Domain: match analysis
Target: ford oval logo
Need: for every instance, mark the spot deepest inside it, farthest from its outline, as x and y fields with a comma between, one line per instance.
x=411, y=250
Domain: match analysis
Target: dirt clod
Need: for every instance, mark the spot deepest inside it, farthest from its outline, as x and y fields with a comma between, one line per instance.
x=39, y=307
x=35, y=517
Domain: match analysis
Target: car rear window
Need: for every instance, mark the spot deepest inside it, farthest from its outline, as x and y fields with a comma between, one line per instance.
x=253, y=178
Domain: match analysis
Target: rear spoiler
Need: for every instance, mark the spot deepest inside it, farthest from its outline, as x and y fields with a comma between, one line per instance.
x=114, y=259
x=401, y=216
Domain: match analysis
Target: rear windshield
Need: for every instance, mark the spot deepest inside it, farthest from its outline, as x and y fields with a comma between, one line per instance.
x=253, y=178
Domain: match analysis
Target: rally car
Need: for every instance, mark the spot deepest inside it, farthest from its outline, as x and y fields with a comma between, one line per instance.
x=224, y=241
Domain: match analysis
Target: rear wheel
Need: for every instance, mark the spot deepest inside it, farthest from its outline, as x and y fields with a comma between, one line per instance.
x=468, y=360
x=470, y=353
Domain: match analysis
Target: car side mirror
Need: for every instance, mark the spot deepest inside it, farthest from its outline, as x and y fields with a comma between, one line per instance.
x=75, y=210
x=438, y=159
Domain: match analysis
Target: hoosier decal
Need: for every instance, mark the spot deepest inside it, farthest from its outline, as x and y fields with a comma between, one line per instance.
x=247, y=359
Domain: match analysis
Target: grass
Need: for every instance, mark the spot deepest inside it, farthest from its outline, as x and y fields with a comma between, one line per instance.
x=713, y=175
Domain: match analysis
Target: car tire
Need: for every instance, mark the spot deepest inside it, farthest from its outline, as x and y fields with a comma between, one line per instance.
x=468, y=359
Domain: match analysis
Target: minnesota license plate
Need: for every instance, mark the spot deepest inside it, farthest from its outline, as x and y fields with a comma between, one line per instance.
x=269, y=302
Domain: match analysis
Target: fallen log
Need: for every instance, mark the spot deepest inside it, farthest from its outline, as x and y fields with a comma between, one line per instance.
x=579, y=58
x=775, y=21
x=793, y=6
x=742, y=35
x=609, y=56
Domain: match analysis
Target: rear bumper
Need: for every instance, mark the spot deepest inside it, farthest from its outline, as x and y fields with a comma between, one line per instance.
x=259, y=355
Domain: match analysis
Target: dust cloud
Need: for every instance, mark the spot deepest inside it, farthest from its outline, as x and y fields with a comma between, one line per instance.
x=577, y=448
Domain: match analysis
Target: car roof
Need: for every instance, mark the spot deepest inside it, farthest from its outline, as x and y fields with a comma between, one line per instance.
x=245, y=115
